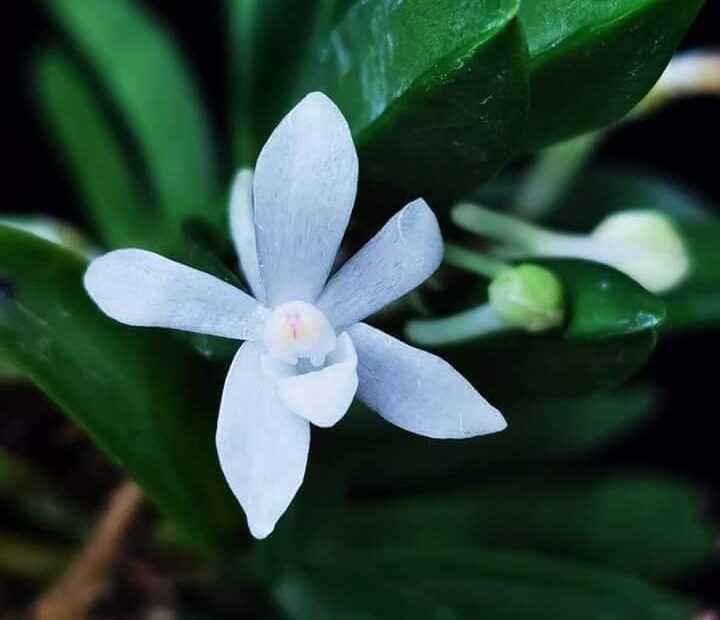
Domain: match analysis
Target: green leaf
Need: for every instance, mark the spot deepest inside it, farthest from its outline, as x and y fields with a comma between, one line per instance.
x=318, y=594
x=377, y=454
x=607, y=338
x=591, y=62
x=268, y=41
x=603, y=302
x=696, y=302
x=435, y=91
x=501, y=586
x=9, y=373
x=99, y=169
x=142, y=69
x=139, y=395
x=646, y=526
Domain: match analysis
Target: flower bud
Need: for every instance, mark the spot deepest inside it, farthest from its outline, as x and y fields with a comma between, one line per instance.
x=528, y=297
x=646, y=246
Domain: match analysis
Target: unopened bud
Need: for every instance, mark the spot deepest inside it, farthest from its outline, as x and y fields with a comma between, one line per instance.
x=646, y=246
x=528, y=297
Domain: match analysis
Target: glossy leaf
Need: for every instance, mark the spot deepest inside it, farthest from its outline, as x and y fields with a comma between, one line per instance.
x=435, y=92
x=141, y=67
x=591, y=62
x=608, y=336
x=141, y=397
x=649, y=527
x=376, y=454
x=98, y=167
x=502, y=586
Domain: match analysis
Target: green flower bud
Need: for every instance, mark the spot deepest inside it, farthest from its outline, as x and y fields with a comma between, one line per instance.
x=528, y=297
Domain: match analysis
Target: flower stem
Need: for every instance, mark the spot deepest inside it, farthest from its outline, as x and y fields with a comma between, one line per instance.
x=474, y=262
x=510, y=230
x=472, y=323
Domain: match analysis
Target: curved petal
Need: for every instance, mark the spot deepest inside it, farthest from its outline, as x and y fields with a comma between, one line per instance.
x=418, y=391
x=321, y=396
x=263, y=447
x=305, y=183
x=242, y=228
x=141, y=288
x=406, y=251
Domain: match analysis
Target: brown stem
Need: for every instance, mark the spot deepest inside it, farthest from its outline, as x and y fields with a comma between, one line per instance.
x=74, y=594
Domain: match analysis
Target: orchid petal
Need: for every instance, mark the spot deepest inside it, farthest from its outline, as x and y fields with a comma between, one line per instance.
x=141, y=288
x=406, y=251
x=418, y=391
x=305, y=183
x=242, y=227
x=262, y=446
x=320, y=396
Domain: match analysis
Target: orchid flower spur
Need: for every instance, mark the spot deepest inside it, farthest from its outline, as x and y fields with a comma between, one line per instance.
x=306, y=353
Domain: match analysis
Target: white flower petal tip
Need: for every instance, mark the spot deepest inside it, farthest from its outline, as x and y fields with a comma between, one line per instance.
x=262, y=447
x=304, y=191
x=320, y=396
x=646, y=246
x=144, y=289
x=418, y=391
x=405, y=253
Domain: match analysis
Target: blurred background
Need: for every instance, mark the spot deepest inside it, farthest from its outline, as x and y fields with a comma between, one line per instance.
x=682, y=441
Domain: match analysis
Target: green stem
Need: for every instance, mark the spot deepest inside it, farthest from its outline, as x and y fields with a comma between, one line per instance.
x=466, y=325
x=474, y=262
x=552, y=175
x=510, y=230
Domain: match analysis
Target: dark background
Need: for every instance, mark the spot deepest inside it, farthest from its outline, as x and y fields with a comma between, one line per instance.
x=681, y=142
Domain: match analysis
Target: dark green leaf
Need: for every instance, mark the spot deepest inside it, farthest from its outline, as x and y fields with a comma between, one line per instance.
x=603, y=302
x=318, y=594
x=141, y=397
x=140, y=65
x=377, y=454
x=268, y=41
x=591, y=62
x=435, y=91
x=98, y=166
x=696, y=302
x=502, y=586
x=653, y=528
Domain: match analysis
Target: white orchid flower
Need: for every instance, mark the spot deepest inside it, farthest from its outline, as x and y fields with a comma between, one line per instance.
x=306, y=353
